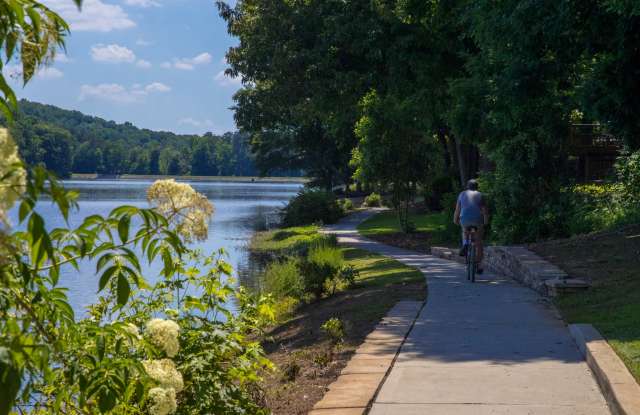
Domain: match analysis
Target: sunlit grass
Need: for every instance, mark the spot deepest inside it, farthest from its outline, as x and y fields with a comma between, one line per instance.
x=385, y=223
x=286, y=240
x=614, y=309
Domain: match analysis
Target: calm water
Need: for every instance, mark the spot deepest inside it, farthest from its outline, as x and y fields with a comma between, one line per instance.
x=240, y=209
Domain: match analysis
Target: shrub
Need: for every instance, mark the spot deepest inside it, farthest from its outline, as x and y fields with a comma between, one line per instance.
x=348, y=274
x=346, y=205
x=436, y=190
x=321, y=265
x=282, y=279
x=311, y=206
x=373, y=200
x=592, y=207
x=628, y=172
x=334, y=330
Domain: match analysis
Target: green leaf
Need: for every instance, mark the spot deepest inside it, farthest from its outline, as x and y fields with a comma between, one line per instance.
x=10, y=378
x=124, y=290
x=106, y=400
x=123, y=228
x=100, y=347
x=106, y=276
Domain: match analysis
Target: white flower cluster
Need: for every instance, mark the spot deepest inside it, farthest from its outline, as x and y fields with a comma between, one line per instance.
x=132, y=329
x=164, y=334
x=13, y=177
x=165, y=373
x=163, y=401
x=188, y=210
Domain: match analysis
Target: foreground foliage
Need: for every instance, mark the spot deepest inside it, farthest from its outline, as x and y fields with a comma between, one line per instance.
x=154, y=344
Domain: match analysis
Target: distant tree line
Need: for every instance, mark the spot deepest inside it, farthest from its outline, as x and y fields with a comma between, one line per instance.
x=71, y=142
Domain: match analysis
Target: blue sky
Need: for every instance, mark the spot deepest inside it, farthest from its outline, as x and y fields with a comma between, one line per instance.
x=156, y=63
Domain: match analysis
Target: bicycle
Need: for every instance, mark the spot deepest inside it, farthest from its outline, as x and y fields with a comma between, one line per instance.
x=470, y=257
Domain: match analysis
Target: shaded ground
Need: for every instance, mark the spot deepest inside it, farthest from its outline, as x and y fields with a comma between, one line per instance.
x=611, y=262
x=307, y=361
x=431, y=229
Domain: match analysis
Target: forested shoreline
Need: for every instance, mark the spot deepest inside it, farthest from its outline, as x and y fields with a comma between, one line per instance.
x=69, y=142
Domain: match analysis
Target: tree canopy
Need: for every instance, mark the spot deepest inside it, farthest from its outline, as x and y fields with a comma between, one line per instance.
x=492, y=84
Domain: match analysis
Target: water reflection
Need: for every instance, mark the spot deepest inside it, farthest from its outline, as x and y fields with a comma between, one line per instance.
x=240, y=210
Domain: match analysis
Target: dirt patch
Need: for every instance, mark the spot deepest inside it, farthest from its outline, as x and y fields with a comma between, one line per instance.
x=417, y=241
x=598, y=257
x=307, y=362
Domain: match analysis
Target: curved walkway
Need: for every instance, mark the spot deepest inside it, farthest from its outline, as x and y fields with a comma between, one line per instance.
x=493, y=347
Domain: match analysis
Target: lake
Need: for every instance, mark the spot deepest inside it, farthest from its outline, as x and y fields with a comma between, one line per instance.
x=240, y=209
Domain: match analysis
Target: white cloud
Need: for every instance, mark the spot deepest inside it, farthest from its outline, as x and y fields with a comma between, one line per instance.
x=142, y=3
x=141, y=63
x=185, y=66
x=108, y=92
x=119, y=93
x=157, y=87
x=96, y=16
x=224, y=80
x=195, y=123
x=49, y=73
x=142, y=42
x=201, y=59
x=62, y=58
x=112, y=54
x=188, y=64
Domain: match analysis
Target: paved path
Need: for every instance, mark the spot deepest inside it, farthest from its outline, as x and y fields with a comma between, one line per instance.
x=493, y=347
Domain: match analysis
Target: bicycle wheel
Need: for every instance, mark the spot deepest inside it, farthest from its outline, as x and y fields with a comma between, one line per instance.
x=467, y=261
x=472, y=262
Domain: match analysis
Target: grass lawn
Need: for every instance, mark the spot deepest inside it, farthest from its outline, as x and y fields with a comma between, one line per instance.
x=285, y=240
x=610, y=261
x=431, y=229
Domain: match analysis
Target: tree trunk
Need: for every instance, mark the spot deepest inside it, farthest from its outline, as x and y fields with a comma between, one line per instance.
x=462, y=161
x=442, y=139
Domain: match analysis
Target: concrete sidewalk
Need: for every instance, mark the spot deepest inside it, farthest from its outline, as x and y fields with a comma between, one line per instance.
x=493, y=347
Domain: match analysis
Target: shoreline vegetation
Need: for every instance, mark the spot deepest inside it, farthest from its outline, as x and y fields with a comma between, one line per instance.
x=308, y=357
x=152, y=177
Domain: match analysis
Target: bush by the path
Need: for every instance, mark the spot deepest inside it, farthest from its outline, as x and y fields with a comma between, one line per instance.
x=320, y=267
x=312, y=206
x=373, y=200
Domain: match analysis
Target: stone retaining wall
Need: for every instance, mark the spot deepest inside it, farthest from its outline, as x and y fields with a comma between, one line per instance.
x=522, y=265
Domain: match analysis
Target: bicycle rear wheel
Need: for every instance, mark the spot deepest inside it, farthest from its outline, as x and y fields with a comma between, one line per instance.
x=472, y=265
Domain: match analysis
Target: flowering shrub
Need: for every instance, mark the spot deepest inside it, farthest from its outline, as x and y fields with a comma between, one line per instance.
x=193, y=355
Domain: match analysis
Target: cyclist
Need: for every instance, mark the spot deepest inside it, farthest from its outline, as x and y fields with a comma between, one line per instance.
x=471, y=211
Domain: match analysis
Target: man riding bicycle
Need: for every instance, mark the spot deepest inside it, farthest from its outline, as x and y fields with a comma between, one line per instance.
x=471, y=211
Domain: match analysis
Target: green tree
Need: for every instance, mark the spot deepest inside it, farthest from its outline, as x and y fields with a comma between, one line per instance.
x=393, y=149
x=87, y=158
x=33, y=32
x=203, y=157
x=55, y=146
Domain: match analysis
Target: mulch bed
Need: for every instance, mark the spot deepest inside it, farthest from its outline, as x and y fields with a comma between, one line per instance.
x=307, y=362
x=595, y=257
